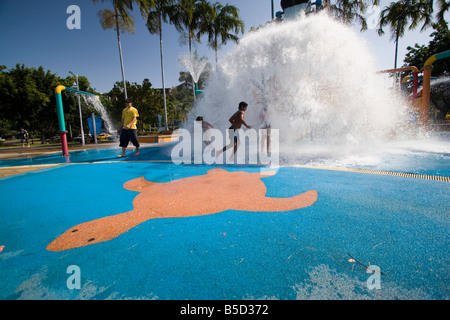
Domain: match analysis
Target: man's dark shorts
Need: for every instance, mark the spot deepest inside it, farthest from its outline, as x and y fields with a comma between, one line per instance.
x=128, y=135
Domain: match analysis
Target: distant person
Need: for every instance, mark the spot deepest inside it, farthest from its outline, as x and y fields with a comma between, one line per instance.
x=205, y=126
x=23, y=134
x=236, y=120
x=127, y=128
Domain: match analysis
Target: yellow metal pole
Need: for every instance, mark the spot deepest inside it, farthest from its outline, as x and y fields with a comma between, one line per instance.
x=411, y=68
x=425, y=107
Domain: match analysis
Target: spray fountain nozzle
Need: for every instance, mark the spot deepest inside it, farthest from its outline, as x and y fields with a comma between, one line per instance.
x=79, y=91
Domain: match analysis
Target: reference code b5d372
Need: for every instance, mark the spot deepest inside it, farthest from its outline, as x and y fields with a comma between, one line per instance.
x=228, y=309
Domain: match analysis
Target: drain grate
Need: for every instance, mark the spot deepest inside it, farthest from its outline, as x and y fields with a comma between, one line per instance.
x=381, y=172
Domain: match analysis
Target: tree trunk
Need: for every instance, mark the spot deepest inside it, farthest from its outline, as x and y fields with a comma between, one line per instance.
x=162, y=73
x=190, y=58
x=120, y=52
x=396, y=50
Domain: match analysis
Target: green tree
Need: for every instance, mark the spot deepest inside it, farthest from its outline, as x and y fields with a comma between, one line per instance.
x=116, y=101
x=184, y=14
x=155, y=17
x=121, y=21
x=8, y=90
x=443, y=7
x=417, y=55
x=221, y=24
x=348, y=11
x=182, y=97
x=146, y=99
x=440, y=42
x=30, y=99
x=398, y=15
x=27, y=100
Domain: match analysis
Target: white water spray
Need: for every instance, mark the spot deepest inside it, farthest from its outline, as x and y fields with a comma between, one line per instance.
x=318, y=80
x=194, y=65
x=98, y=106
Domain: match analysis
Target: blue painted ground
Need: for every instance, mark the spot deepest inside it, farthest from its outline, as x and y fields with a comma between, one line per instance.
x=148, y=151
x=415, y=162
x=399, y=224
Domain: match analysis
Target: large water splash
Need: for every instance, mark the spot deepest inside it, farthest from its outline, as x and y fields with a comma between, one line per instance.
x=317, y=79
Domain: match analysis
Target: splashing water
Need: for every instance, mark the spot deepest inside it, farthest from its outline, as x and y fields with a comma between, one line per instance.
x=194, y=65
x=318, y=81
x=98, y=106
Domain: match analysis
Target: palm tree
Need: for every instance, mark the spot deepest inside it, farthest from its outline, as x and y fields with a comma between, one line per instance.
x=350, y=10
x=185, y=16
x=217, y=21
x=120, y=21
x=155, y=19
x=443, y=6
x=399, y=14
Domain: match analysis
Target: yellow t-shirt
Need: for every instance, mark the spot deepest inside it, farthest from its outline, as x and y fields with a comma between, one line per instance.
x=128, y=115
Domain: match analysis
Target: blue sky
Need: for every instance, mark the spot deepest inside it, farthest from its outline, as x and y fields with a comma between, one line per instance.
x=35, y=33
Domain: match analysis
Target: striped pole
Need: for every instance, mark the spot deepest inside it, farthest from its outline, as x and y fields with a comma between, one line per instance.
x=60, y=112
x=61, y=123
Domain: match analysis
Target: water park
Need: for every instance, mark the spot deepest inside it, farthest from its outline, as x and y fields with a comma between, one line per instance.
x=348, y=201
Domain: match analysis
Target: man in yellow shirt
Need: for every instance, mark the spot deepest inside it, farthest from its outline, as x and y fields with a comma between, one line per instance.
x=127, y=128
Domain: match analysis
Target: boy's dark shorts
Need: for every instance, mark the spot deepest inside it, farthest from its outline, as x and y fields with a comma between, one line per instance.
x=128, y=135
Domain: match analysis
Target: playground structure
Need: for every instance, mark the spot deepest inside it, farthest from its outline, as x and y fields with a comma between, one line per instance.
x=414, y=76
x=425, y=107
x=425, y=92
x=60, y=112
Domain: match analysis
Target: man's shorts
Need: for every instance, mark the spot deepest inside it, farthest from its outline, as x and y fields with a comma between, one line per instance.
x=234, y=135
x=128, y=135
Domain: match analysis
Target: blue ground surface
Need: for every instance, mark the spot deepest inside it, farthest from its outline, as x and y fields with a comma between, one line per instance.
x=415, y=162
x=399, y=224
x=148, y=151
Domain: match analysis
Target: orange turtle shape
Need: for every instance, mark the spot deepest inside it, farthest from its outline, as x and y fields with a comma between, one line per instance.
x=216, y=191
